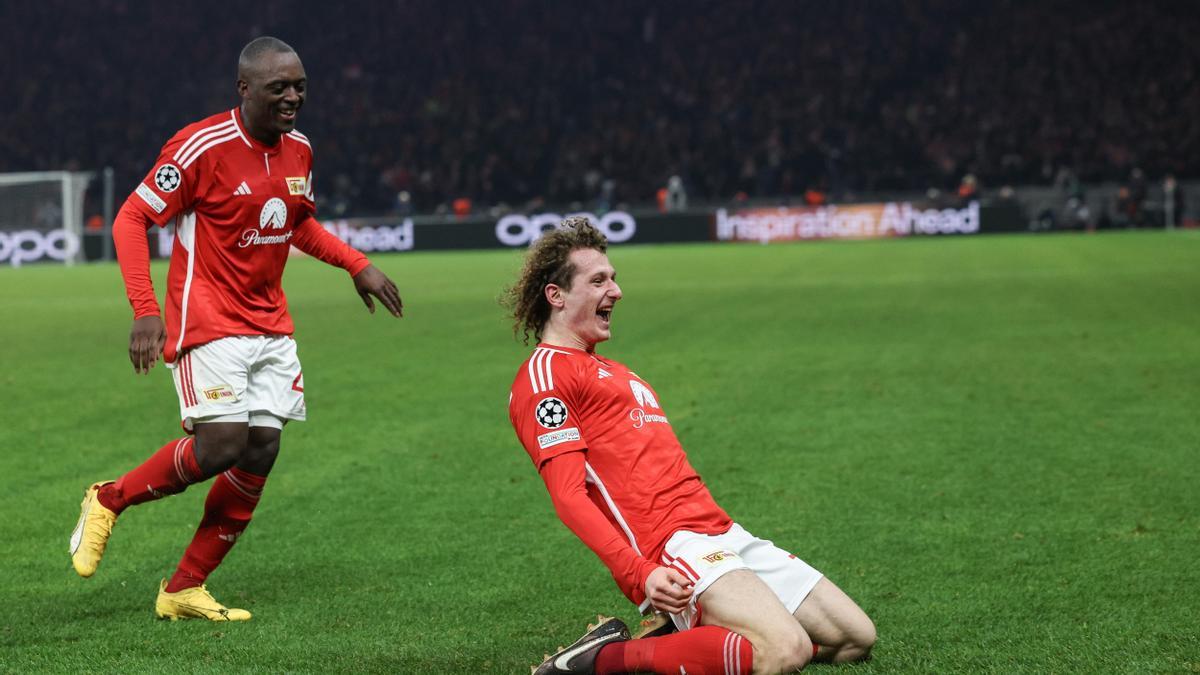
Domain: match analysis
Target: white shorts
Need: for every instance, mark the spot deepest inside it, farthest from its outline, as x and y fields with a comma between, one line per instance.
x=245, y=378
x=704, y=558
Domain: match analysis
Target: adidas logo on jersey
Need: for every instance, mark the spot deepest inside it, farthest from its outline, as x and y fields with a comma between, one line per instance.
x=243, y=189
x=604, y=373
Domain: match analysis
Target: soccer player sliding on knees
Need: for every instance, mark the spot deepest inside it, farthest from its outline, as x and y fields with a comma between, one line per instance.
x=619, y=479
x=238, y=186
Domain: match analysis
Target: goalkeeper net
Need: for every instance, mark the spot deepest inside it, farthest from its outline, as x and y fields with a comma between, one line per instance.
x=41, y=216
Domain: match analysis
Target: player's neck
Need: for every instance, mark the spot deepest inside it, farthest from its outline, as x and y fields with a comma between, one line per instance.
x=556, y=337
x=267, y=137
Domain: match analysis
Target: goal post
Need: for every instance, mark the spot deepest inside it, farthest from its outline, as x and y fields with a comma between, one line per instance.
x=41, y=216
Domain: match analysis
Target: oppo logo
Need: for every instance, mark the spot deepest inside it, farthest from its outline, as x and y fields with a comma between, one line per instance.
x=22, y=246
x=522, y=230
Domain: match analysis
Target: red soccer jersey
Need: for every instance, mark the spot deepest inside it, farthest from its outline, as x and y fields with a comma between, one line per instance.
x=238, y=206
x=567, y=400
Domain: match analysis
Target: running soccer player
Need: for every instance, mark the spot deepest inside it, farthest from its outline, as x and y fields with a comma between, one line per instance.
x=619, y=479
x=238, y=185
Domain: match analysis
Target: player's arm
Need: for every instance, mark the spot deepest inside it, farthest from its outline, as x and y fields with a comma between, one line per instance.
x=318, y=242
x=638, y=578
x=148, y=334
x=170, y=188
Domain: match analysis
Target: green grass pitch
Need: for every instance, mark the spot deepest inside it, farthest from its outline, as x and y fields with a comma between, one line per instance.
x=991, y=443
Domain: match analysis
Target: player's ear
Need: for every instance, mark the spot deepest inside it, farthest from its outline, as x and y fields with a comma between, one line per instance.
x=554, y=295
x=242, y=87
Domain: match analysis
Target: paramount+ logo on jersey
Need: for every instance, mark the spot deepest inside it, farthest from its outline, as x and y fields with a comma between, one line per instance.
x=645, y=399
x=273, y=216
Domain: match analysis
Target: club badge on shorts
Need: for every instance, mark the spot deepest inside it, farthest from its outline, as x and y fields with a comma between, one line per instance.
x=718, y=557
x=221, y=394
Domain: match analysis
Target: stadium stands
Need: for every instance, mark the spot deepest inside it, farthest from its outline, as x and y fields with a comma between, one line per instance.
x=525, y=102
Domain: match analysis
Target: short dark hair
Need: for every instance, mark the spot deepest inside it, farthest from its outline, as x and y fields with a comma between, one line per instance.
x=259, y=46
x=548, y=262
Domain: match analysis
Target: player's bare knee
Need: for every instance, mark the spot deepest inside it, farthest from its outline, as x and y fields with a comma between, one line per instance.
x=258, y=460
x=866, y=638
x=219, y=447
x=861, y=639
x=218, y=457
x=261, y=451
x=799, y=651
x=783, y=653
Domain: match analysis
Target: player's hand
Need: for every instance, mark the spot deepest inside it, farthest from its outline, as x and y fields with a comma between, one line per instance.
x=668, y=590
x=370, y=282
x=146, y=340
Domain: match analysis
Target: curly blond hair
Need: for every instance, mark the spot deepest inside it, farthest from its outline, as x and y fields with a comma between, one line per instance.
x=548, y=262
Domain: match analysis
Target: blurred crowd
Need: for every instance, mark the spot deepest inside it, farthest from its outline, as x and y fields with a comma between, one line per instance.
x=423, y=106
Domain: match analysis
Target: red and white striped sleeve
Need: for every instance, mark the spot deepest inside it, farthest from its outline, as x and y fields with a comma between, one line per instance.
x=544, y=406
x=177, y=179
x=170, y=187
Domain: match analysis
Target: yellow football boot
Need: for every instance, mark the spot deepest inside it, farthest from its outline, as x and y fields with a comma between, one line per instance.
x=194, y=603
x=91, y=534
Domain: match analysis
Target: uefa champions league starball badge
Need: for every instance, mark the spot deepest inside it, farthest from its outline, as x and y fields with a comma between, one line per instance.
x=551, y=413
x=167, y=178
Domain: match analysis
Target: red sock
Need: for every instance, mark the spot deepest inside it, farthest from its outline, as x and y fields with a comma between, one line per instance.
x=227, y=512
x=168, y=471
x=707, y=650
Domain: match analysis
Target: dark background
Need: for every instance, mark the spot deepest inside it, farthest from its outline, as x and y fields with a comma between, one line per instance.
x=525, y=104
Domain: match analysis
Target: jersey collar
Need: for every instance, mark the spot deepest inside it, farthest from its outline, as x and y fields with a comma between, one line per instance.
x=561, y=348
x=252, y=142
